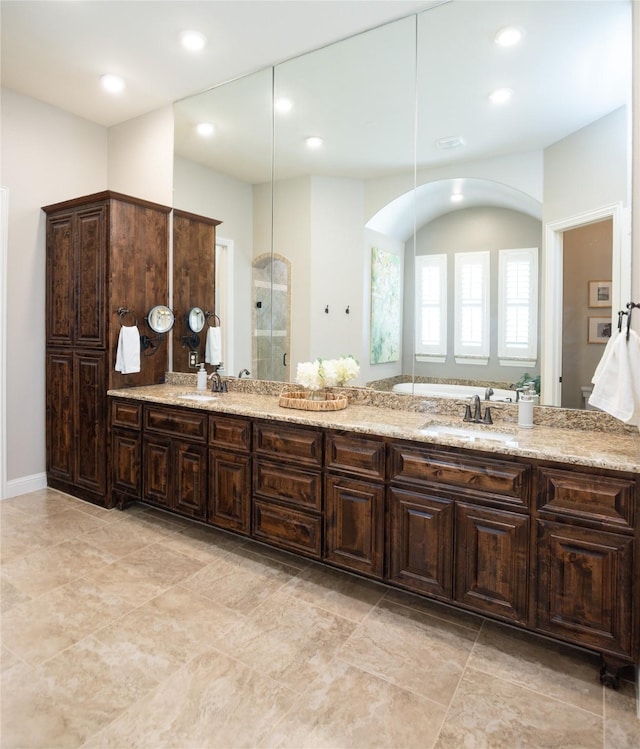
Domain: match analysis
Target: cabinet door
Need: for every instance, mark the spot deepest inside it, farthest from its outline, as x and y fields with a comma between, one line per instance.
x=585, y=586
x=156, y=461
x=190, y=479
x=125, y=462
x=355, y=524
x=60, y=303
x=492, y=561
x=90, y=421
x=229, y=490
x=90, y=264
x=60, y=416
x=421, y=542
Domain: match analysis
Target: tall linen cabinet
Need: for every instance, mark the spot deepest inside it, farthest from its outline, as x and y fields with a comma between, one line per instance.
x=105, y=252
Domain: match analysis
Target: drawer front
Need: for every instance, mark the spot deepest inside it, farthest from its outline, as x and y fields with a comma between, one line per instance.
x=356, y=455
x=507, y=481
x=126, y=414
x=228, y=432
x=290, y=529
x=602, y=499
x=298, y=445
x=183, y=423
x=280, y=482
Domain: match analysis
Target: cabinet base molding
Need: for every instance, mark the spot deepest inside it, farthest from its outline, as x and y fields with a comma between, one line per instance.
x=612, y=670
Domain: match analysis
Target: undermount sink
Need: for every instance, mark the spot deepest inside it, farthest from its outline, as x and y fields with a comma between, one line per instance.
x=197, y=397
x=470, y=434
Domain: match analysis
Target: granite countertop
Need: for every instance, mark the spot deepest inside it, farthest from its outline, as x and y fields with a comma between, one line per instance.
x=573, y=446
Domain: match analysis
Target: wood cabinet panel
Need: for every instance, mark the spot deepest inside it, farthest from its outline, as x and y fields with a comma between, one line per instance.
x=507, y=482
x=157, y=468
x=230, y=433
x=354, y=524
x=362, y=456
x=288, y=528
x=275, y=481
x=90, y=271
x=492, y=561
x=230, y=491
x=602, y=499
x=60, y=415
x=189, y=470
x=585, y=586
x=421, y=542
x=177, y=422
x=91, y=424
x=126, y=463
x=60, y=295
x=302, y=446
x=126, y=414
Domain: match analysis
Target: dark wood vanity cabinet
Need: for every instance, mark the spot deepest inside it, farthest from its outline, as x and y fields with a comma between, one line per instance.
x=126, y=451
x=103, y=252
x=230, y=473
x=354, y=497
x=175, y=460
x=287, y=487
x=459, y=528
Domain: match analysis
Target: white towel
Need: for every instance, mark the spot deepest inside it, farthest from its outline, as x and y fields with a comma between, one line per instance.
x=128, y=353
x=213, y=347
x=616, y=387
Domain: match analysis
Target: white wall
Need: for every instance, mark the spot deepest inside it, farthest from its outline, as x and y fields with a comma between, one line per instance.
x=48, y=155
x=200, y=190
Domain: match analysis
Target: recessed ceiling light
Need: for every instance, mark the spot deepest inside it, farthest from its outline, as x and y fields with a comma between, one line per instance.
x=205, y=129
x=500, y=95
x=457, y=197
x=314, y=141
x=114, y=84
x=194, y=41
x=283, y=105
x=449, y=142
x=509, y=36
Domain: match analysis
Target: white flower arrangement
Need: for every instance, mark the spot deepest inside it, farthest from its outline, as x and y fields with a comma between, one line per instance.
x=323, y=373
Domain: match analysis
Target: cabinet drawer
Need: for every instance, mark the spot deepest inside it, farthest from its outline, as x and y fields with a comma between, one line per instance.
x=174, y=421
x=280, y=482
x=356, y=455
x=288, y=443
x=288, y=528
x=603, y=499
x=228, y=432
x=126, y=414
x=506, y=481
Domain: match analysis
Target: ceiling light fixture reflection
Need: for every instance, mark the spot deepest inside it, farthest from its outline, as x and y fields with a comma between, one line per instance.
x=283, y=105
x=500, y=95
x=205, y=129
x=114, y=84
x=509, y=36
x=457, y=197
x=194, y=41
x=314, y=141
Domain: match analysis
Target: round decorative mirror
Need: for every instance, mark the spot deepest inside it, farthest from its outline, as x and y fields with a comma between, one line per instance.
x=195, y=319
x=160, y=319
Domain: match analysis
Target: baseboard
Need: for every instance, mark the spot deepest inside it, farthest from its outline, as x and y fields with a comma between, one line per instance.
x=24, y=485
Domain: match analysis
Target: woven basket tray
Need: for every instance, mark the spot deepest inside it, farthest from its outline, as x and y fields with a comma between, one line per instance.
x=299, y=399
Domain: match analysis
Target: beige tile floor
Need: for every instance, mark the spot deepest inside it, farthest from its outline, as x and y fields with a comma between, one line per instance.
x=139, y=629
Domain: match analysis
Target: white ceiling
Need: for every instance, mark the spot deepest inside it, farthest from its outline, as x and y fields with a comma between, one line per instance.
x=56, y=50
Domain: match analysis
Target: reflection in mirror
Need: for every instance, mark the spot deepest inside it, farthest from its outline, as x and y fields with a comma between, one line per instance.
x=195, y=319
x=160, y=319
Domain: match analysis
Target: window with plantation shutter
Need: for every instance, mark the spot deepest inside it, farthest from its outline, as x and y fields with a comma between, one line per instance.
x=431, y=307
x=518, y=306
x=471, y=344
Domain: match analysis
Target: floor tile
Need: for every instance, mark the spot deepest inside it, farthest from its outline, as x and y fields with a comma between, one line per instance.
x=411, y=649
x=345, y=708
x=548, y=667
x=10, y=596
x=212, y=702
x=200, y=542
x=622, y=723
x=489, y=713
x=435, y=609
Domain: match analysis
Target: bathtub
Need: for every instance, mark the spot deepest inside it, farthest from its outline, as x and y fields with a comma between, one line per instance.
x=445, y=390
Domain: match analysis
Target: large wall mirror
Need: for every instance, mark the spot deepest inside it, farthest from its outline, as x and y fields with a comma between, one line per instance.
x=407, y=128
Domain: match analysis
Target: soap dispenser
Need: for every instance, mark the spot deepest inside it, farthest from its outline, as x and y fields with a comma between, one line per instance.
x=202, y=378
x=525, y=408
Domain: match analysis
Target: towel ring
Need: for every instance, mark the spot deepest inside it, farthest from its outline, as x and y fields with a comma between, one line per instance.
x=122, y=312
x=209, y=315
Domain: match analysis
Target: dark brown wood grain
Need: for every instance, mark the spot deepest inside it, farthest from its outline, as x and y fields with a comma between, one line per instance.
x=230, y=491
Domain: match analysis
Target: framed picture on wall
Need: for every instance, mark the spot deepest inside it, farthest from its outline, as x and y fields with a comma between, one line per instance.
x=599, y=293
x=599, y=329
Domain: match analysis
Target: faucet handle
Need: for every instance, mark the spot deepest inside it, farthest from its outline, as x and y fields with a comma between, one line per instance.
x=467, y=413
x=486, y=419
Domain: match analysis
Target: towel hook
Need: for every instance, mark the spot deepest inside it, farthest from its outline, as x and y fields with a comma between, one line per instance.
x=630, y=307
x=209, y=315
x=122, y=312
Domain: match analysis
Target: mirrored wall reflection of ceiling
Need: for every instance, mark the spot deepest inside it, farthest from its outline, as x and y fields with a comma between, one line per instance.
x=562, y=78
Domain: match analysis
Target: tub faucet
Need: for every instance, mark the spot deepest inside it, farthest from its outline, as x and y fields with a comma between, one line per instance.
x=476, y=417
x=244, y=372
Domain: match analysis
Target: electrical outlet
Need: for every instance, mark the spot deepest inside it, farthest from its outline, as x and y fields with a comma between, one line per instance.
x=193, y=359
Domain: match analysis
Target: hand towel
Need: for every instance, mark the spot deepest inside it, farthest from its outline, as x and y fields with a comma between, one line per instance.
x=616, y=387
x=213, y=347
x=128, y=352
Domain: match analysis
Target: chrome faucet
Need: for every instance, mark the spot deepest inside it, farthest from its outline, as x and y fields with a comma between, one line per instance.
x=488, y=393
x=477, y=417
